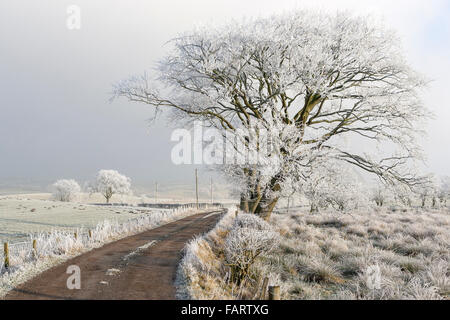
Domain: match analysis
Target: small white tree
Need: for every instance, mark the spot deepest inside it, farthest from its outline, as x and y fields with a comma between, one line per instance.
x=65, y=190
x=110, y=182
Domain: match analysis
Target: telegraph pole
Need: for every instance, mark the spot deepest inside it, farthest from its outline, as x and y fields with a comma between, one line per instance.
x=196, y=186
x=211, y=189
x=156, y=192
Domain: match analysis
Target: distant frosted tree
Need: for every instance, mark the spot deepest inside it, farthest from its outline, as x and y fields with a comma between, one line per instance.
x=309, y=79
x=317, y=187
x=65, y=190
x=333, y=184
x=380, y=195
x=444, y=190
x=427, y=191
x=345, y=191
x=110, y=182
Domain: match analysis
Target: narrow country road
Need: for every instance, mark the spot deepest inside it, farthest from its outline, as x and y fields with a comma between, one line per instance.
x=142, y=266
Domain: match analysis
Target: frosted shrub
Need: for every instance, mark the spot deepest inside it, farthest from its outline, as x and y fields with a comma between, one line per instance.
x=57, y=243
x=250, y=221
x=65, y=190
x=249, y=237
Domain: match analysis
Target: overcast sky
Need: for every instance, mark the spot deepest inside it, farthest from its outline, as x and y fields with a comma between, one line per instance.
x=55, y=118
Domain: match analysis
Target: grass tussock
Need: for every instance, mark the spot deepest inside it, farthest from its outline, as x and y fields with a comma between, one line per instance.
x=331, y=256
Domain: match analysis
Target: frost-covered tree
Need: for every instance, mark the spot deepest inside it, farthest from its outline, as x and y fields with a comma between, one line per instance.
x=443, y=190
x=380, y=195
x=308, y=79
x=65, y=190
x=344, y=190
x=347, y=195
x=427, y=191
x=316, y=187
x=110, y=182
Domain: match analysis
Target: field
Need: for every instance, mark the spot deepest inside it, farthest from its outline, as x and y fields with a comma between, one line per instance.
x=21, y=215
x=60, y=231
x=331, y=256
x=25, y=214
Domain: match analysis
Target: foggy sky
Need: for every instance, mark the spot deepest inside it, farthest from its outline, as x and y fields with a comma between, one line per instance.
x=55, y=83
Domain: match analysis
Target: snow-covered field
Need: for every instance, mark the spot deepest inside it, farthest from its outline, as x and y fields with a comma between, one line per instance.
x=21, y=215
x=25, y=214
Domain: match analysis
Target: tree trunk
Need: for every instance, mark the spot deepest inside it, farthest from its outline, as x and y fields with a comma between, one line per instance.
x=256, y=201
x=244, y=204
x=265, y=208
x=109, y=193
x=262, y=206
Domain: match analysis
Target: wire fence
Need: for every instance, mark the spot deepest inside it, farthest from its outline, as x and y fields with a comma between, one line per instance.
x=66, y=242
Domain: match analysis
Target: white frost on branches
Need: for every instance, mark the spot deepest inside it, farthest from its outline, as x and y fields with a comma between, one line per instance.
x=110, y=182
x=248, y=238
x=331, y=183
x=311, y=80
x=65, y=190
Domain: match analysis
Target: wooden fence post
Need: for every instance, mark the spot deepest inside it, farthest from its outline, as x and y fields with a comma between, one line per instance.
x=264, y=289
x=35, y=248
x=90, y=234
x=274, y=293
x=75, y=235
x=6, y=253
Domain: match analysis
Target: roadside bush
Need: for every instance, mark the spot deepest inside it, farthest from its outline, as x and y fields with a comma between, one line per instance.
x=250, y=221
x=249, y=237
